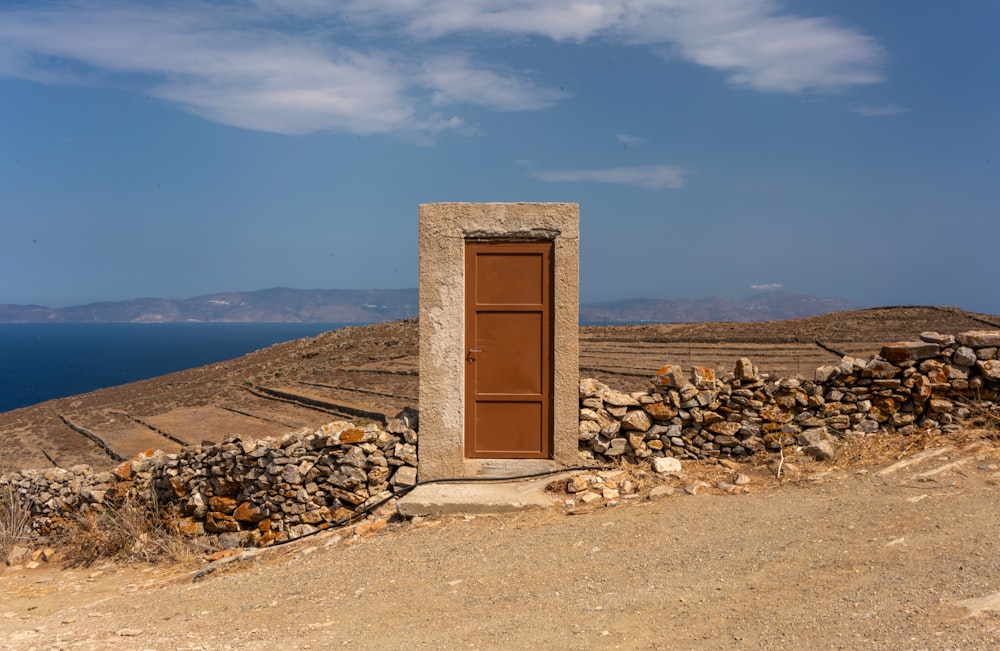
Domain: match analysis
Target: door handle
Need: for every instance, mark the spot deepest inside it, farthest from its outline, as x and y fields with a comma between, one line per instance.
x=468, y=357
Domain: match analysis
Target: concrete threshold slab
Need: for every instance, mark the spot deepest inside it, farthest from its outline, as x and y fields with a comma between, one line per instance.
x=479, y=497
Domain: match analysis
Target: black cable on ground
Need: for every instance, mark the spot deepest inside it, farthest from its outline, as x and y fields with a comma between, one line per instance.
x=445, y=480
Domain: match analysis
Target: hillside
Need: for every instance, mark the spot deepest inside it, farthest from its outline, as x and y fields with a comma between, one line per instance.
x=371, y=371
x=768, y=306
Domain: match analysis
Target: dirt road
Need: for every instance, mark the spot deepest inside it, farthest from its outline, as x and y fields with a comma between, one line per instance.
x=856, y=557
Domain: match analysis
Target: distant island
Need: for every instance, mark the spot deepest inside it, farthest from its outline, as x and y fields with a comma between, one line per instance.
x=276, y=305
x=287, y=305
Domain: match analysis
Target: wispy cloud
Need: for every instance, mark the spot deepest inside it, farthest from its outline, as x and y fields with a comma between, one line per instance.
x=626, y=139
x=238, y=75
x=381, y=66
x=752, y=41
x=762, y=49
x=456, y=80
x=770, y=287
x=559, y=20
x=881, y=110
x=655, y=177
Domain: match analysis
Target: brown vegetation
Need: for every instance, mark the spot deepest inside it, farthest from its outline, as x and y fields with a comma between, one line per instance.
x=128, y=531
x=15, y=520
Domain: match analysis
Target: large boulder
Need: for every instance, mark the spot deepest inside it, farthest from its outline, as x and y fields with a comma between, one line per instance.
x=909, y=351
x=666, y=465
x=636, y=420
x=591, y=388
x=818, y=443
x=990, y=368
x=745, y=370
x=670, y=376
x=979, y=338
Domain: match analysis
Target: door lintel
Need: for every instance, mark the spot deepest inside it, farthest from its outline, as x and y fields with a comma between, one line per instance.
x=533, y=235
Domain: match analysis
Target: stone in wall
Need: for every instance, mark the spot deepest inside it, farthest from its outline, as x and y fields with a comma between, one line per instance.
x=931, y=383
x=242, y=491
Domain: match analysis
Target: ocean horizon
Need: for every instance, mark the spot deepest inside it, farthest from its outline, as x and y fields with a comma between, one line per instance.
x=40, y=362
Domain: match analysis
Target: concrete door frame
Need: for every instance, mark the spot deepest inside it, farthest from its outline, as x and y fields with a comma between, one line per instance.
x=444, y=229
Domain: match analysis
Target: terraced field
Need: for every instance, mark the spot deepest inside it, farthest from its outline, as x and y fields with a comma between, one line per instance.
x=371, y=372
x=627, y=356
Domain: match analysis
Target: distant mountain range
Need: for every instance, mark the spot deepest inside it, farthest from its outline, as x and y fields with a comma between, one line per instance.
x=768, y=306
x=276, y=305
x=282, y=304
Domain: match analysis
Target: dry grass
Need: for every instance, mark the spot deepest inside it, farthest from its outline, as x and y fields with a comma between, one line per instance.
x=985, y=415
x=884, y=447
x=15, y=516
x=130, y=532
x=642, y=477
x=15, y=520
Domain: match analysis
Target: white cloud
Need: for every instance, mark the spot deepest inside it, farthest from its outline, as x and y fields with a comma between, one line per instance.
x=881, y=110
x=650, y=176
x=751, y=40
x=454, y=80
x=626, y=139
x=770, y=287
x=245, y=77
x=559, y=20
x=765, y=51
x=355, y=93
x=381, y=66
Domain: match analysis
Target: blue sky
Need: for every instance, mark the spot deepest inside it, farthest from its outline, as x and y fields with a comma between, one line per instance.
x=716, y=147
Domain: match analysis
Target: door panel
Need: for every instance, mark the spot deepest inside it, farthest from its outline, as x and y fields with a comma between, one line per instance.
x=508, y=382
x=508, y=429
x=511, y=357
x=511, y=278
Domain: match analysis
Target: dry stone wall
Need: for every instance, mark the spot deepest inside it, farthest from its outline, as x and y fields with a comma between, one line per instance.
x=256, y=492
x=932, y=383
x=242, y=491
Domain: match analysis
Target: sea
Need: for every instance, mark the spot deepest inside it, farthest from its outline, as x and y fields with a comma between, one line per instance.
x=40, y=362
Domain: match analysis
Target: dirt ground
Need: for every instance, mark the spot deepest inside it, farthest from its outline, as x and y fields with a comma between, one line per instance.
x=893, y=548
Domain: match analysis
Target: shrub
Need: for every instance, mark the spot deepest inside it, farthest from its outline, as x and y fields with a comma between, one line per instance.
x=15, y=519
x=128, y=531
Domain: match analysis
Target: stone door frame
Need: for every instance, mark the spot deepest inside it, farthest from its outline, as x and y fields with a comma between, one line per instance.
x=444, y=229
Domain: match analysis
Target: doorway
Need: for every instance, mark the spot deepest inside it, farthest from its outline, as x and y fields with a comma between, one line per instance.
x=509, y=351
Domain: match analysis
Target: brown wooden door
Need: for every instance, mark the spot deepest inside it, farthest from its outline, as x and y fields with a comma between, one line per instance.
x=508, y=336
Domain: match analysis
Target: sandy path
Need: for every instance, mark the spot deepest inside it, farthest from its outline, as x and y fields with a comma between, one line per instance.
x=858, y=560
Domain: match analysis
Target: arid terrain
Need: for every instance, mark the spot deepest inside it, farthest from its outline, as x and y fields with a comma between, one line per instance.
x=371, y=371
x=892, y=546
x=863, y=554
